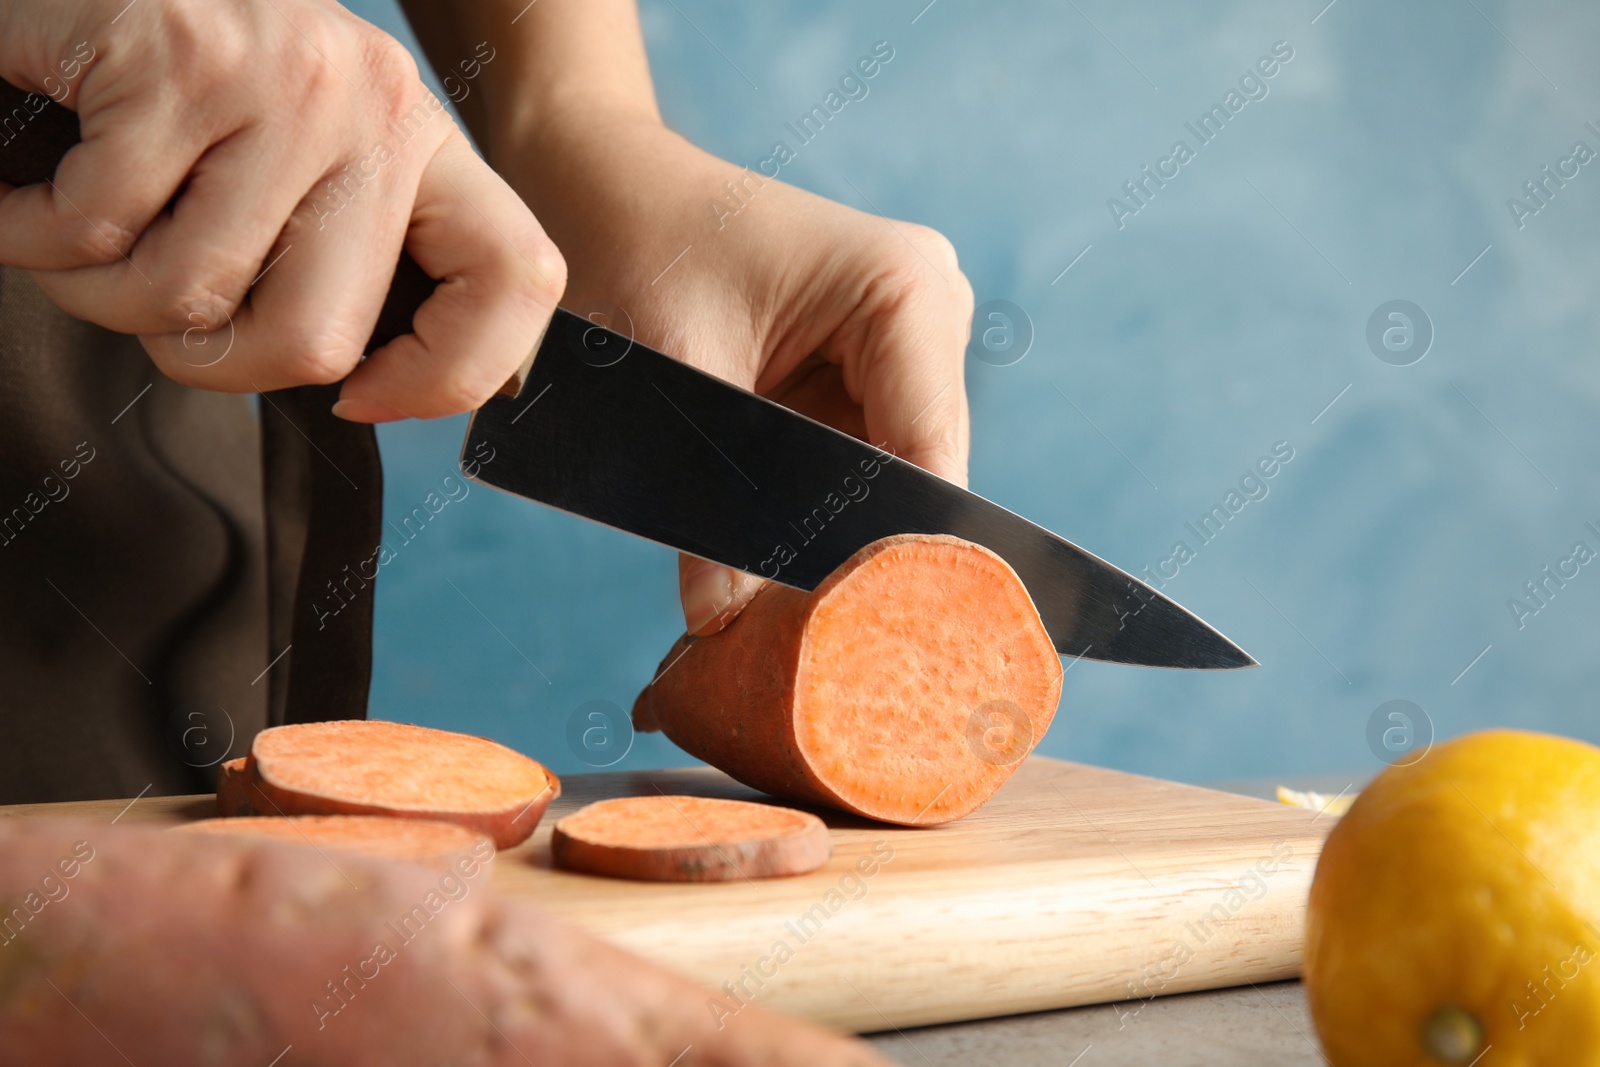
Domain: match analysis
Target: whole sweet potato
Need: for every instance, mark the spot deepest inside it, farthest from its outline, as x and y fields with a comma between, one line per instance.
x=181, y=950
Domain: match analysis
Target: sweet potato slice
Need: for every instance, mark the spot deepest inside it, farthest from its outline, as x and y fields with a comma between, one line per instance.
x=362, y=767
x=906, y=687
x=689, y=839
x=236, y=793
x=130, y=944
x=426, y=841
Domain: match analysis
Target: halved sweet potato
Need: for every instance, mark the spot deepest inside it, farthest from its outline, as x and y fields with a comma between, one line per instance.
x=370, y=767
x=689, y=839
x=905, y=688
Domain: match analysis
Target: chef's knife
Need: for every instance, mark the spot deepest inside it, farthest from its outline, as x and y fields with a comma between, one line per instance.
x=614, y=431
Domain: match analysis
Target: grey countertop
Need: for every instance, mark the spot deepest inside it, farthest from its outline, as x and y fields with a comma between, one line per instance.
x=1265, y=1024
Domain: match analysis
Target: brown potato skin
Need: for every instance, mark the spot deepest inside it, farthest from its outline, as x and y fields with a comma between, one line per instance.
x=723, y=861
x=728, y=698
x=236, y=792
x=185, y=950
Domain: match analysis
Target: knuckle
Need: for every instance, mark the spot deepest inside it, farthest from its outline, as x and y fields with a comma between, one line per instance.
x=318, y=367
x=936, y=247
x=539, y=275
x=524, y=275
x=317, y=355
x=187, y=26
x=464, y=389
x=920, y=264
x=95, y=241
x=916, y=255
x=308, y=63
x=315, y=83
x=194, y=300
x=201, y=54
x=523, y=290
x=391, y=70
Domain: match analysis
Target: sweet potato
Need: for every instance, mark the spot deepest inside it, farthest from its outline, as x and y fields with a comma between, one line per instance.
x=434, y=844
x=236, y=794
x=689, y=839
x=361, y=767
x=906, y=687
x=128, y=944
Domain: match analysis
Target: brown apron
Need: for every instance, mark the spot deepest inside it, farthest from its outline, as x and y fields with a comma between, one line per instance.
x=160, y=551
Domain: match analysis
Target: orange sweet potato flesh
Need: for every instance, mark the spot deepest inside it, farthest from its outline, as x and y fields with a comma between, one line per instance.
x=128, y=944
x=362, y=767
x=906, y=687
x=663, y=838
x=435, y=844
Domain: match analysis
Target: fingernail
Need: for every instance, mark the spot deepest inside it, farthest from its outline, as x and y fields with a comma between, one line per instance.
x=745, y=586
x=707, y=592
x=366, y=411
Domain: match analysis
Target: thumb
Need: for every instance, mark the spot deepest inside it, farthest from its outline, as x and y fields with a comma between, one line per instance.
x=913, y=393
x=713, y=595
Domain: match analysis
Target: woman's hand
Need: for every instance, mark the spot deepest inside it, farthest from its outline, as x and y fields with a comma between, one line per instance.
x=248, y=175
x=850, y=318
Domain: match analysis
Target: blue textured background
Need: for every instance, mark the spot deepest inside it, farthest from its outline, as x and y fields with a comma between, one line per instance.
x=1219, y=320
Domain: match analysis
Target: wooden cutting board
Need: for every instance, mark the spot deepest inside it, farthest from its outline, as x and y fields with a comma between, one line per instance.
x=1075, y=885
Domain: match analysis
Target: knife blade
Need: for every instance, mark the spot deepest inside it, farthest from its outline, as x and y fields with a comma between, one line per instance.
x=614, y=431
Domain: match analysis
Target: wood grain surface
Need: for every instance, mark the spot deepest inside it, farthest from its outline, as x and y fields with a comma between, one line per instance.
x=1075, y=885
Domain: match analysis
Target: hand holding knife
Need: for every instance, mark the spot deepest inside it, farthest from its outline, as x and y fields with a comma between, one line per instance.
x=652, y=446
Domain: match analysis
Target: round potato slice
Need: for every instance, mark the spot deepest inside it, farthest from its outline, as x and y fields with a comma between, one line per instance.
x=371, y=767
x=689, y=839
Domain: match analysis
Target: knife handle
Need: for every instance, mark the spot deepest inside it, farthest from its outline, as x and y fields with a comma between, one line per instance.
x=38, y=132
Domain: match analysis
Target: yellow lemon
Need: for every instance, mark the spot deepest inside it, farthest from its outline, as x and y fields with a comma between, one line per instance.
x=1328, y=804
x=1455, y=913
